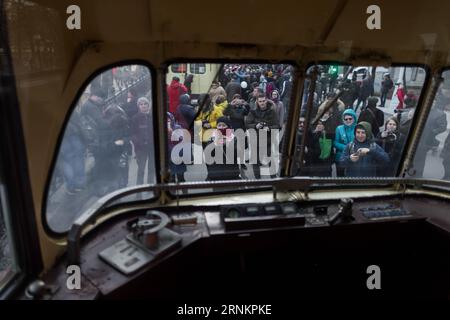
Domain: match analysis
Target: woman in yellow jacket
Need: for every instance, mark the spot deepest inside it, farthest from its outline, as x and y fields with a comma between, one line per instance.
x=207, y=119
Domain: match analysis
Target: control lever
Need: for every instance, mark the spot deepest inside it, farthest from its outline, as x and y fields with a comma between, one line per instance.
x=148, y=240
x=146, y=230
x=39, y=290
x=344, y=214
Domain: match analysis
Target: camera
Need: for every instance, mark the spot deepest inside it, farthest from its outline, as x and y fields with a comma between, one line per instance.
x=123, y=160
x=391, y=137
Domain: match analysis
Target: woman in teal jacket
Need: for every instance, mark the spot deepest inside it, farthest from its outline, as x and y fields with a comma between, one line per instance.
x=345, y=133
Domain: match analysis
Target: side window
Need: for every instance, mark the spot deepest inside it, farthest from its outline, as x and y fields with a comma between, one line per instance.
x=360, y=119
x=432, y=158
x=108, y=144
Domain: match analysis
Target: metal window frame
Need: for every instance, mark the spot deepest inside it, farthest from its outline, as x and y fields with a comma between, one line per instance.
x=16, y=183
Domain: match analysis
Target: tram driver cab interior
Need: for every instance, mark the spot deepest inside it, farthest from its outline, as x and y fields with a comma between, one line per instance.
x=164, y=151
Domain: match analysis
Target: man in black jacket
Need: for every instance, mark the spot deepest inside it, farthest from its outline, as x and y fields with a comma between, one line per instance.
x=236, y=111
x=262, y=118
x=386, y=85
x=96, y=129
x=365, y=91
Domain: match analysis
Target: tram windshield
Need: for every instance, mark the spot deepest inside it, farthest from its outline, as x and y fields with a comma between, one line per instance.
x=227, y=121
x=359, y=120
x=222, y=124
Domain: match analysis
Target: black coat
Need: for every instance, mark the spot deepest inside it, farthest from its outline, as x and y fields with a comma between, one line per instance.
x=141, y=132
x=131, y=108
x=393, y=146
x=386, y=85
x=94, y=124
x=237, y=113
x=268, y=116
x=185, y=115
x=366, y=88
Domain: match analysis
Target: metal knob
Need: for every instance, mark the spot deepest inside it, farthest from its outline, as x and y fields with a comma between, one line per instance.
x=36, y=290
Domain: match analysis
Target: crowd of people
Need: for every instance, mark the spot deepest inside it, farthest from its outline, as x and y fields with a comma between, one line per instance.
x=356, y=141
x=245, y=97
x=365, y=142
x=355, y=145
x=353, y=135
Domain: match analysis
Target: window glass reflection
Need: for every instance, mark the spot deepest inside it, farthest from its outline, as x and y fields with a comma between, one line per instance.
x=432, y=158
x=108, y=144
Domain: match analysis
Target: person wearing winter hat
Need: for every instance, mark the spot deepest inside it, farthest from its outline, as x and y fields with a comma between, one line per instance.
x=143, y=104
x=216, y=90
x=185, y=112
x=386, y=85
x=344, y=135
x=392, y=141
x=363, y=156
